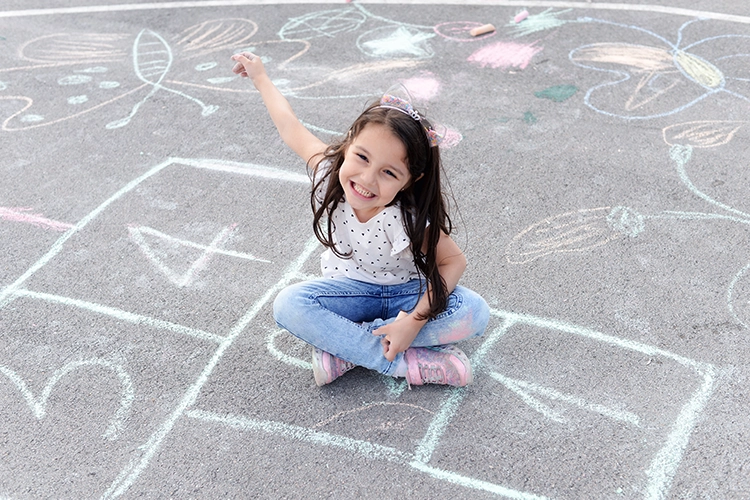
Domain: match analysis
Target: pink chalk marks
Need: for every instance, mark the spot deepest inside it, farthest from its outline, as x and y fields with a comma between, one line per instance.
x=505, y=55
x=424, y=88
x=23, y=215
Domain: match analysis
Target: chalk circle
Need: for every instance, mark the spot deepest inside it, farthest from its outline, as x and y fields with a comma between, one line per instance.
x=206, y=66
x=78, y=99
x=458, y=31
x=739, y=297
x=626, y=221
x=74, y=80
x=31, y=118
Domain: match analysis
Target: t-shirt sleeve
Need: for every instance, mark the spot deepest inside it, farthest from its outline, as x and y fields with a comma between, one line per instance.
x=399, y=239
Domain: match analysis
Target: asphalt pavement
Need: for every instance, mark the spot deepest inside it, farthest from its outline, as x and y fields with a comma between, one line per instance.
x=598, y=163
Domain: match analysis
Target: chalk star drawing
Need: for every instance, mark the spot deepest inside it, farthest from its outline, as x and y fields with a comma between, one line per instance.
x=157, y=257
x=646, y=75
x=38, y=405
x=402, y=41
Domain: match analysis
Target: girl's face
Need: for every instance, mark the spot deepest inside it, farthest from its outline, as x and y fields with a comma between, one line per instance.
x=374, y=170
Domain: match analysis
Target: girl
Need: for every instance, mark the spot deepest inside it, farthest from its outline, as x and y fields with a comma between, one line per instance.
x=388, y=299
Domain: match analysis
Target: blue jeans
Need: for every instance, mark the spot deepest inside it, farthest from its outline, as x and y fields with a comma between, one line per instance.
x=338, y=315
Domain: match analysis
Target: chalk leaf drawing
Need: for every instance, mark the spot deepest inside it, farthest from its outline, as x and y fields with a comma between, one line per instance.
x=702, y=134
x=38, y=405
x=84, y=72
x=575, y=231
x=160, y=248
x=650, y=81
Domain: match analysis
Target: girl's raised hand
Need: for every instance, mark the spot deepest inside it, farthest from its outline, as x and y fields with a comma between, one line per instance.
x=248, y=64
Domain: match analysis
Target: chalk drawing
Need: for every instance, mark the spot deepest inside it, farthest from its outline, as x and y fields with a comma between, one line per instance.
x=387, y=425
x=535, y=23
x=22, y=214
x=575, y=231
x=557, y=93
x=659, y=474
x=38, y=405
x=505, y=55
x=524, y=389
x=401, y=41
x=174, y=245
x=642, y=76
x=702, y=134
x=94, y=66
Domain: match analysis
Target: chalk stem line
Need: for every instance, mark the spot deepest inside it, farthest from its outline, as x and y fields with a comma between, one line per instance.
x=661, y=9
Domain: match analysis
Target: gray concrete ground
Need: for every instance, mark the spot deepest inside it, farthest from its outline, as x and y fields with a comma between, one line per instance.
x=598, y=156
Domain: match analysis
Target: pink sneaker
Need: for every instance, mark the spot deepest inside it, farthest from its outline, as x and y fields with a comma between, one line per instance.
x=327, y=367
x=445, y=364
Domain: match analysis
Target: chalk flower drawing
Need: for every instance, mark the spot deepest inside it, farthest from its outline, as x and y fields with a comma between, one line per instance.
x=652, y=81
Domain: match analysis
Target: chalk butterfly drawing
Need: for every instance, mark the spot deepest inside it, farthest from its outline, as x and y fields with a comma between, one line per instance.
x=85, y=72
x=656, y=80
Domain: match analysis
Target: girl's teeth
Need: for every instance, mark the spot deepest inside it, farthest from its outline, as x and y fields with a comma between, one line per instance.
x=361, y=191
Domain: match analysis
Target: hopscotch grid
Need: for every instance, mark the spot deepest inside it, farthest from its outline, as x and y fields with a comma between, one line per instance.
x=660, y=473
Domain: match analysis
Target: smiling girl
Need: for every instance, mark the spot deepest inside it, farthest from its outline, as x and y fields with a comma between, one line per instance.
x=389, y=299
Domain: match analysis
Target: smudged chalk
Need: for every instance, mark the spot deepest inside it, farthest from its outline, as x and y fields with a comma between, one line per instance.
x=557, y=93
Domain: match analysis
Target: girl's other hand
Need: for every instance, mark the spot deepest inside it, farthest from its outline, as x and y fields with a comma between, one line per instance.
x=397, y=336
x=248, y=64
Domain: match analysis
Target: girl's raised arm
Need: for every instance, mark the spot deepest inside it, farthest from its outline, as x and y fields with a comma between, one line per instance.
x=294, y=134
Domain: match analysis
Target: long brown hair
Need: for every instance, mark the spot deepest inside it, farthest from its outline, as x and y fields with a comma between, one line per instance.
x=422, y=201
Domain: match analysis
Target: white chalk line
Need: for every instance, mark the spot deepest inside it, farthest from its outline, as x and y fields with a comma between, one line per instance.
x=121, y=315
x=57, y=247
x=365, y=448
x=661, y=9
x=665, y=463
x=39, y=405
x=134, y=469
x=522, y=388
x=245, y=169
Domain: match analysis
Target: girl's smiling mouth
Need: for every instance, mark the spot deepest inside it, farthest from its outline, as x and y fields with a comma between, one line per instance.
x=361, y=191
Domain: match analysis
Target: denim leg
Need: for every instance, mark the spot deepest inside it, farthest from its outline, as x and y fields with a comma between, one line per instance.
x=337, y=316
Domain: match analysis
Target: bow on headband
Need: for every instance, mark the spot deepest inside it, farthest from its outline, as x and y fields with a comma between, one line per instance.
x=398, y=97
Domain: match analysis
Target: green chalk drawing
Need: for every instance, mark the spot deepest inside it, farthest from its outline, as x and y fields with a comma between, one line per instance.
x=546, y=20
x=557, y=93
x=529, y=117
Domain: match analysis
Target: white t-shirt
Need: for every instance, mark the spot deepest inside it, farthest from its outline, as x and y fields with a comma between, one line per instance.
x=380, y=251
x=380, y=248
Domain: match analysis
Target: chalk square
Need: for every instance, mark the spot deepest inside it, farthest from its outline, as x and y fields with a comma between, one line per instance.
x=192, y=242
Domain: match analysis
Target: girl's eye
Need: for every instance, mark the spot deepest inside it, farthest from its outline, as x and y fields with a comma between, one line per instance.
x=388, y=172
x=362, y=157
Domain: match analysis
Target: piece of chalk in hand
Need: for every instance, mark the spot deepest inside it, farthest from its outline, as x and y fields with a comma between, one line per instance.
x=521, y=16
x=481, y=30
